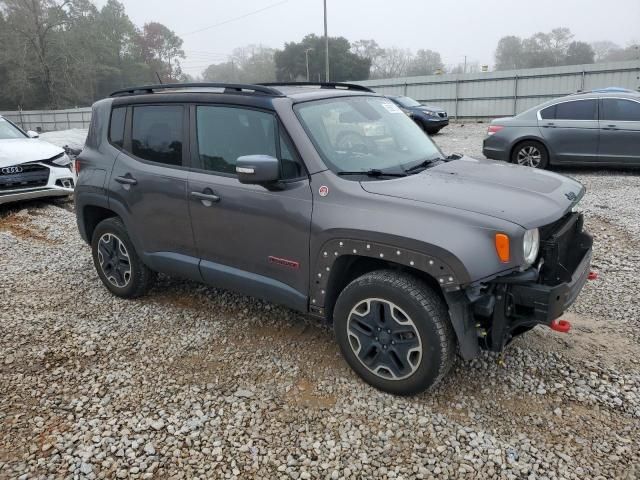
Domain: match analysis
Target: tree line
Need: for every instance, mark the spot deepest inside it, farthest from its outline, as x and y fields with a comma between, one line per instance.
x=63, y=53
x=66, y=53
x=557, y=48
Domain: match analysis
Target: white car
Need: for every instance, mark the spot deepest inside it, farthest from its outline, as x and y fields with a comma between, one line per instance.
x=30, y=167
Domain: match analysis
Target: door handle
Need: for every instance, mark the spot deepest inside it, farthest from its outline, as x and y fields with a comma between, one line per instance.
x=205, y=197
x=126, y=180
x=549, y=125
x=611, y=127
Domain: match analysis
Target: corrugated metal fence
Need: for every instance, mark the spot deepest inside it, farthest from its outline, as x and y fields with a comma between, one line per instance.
x=499, y=94
x=477, y=95
x=50, y=120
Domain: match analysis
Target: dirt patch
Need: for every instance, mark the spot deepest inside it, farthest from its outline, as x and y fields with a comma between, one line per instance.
x=19, y=225
x=303, y=394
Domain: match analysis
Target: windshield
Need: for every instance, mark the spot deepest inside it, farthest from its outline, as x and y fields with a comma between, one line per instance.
x=8, y=131
x=365, y=133
x=407, y=102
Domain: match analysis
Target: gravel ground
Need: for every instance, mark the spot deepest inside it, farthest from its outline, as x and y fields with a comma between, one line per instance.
x=193, y=382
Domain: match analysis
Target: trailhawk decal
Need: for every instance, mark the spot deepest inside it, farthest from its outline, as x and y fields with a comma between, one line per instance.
x=283, y=262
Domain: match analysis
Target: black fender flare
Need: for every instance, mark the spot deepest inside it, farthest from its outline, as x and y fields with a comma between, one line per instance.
x=436, y=261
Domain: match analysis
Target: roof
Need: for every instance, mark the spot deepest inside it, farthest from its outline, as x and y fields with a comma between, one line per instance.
x=297, y=91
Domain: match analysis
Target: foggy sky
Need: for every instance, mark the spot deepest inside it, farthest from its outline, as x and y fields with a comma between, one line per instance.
x=453, y=28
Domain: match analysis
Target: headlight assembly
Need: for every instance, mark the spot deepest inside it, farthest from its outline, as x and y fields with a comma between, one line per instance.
x=531, y=246
x=62, y=160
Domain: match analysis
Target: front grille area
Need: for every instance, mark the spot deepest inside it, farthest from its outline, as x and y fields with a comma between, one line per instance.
x=31, y=176
x=562, y=247
x=442, y=114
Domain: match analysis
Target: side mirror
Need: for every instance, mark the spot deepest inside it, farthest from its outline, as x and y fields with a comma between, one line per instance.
x=33, y=134
x=258, y=169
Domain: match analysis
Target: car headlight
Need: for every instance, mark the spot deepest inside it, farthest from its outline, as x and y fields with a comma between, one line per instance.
x=531, y=245
x=62, y=160
x=430, y=113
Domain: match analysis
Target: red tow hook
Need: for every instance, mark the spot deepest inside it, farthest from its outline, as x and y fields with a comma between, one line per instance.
x=592, y=275
x=562, y=326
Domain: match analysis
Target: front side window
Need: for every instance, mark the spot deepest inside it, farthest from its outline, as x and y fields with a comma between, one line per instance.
x=226, y=133
x=620, y=110
x=548, y=113
x=363, y=133
x=8, y=131
x=157, y=133
x=577, y=110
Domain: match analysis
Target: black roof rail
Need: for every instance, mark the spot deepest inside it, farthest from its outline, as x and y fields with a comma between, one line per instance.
x=336, y=85
x=228, y=88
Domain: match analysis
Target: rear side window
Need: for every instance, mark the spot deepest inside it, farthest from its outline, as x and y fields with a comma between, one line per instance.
x=620, y=110
x=576, y=110
x=116, y=127
x=157, y=133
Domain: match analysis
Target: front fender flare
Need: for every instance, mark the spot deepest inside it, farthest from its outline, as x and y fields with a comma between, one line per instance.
x=440, y=264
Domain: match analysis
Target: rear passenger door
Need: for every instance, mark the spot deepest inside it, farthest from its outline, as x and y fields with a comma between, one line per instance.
x=148, y=187
x=620, y=131
x=250, y=238
x=571, y=130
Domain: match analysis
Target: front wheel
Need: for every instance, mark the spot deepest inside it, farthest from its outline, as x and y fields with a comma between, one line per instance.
x=394, y=331
x=530, y=154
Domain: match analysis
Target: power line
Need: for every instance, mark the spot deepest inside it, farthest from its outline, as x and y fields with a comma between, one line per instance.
x=236, y=18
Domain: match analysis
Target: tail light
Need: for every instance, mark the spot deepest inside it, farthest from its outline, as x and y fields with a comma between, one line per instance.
x=76, y=166
x=494, y=129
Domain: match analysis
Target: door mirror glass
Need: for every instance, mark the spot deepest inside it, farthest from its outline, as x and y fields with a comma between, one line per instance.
x=258, y=169
x=33, y=134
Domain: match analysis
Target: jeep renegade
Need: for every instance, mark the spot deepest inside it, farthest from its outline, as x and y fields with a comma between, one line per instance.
x=329, y=200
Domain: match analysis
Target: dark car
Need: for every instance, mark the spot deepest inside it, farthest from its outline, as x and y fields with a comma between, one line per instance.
x=599, y=128
x=430, y=118
x=409, y=254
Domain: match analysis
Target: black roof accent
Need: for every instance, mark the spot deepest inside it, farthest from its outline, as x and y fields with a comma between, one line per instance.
x=228, y=88
x=334, y=85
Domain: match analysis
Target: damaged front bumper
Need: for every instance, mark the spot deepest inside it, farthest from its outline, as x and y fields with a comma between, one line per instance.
x=497, y=311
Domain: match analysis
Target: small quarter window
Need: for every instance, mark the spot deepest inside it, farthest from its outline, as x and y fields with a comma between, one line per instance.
x=116, y=128
x=548, y=113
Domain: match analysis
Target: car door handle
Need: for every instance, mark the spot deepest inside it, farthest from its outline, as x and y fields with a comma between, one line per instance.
x=205, y=197
x=611, y=127
x=549, y=125
x=126, y=180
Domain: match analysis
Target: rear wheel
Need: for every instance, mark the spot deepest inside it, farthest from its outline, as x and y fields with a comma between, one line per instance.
x=530, y=154
x=117, y=262
x=394, y=331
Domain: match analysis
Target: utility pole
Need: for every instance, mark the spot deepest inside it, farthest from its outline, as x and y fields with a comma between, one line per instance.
x=465, y=64
x=306, y=56
x=326, y=44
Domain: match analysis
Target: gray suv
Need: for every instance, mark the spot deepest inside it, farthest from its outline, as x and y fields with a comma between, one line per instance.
x=599, y=128
x=411, y=255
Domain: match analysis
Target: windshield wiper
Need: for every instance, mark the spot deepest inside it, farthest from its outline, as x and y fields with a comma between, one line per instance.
x=421, y=166
x=373, y=172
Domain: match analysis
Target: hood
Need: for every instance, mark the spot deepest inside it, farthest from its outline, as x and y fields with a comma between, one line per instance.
x=431, y=108
x=525, y=196
x=22, y=150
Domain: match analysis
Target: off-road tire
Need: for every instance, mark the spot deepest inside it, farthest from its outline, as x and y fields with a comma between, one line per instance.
x=141, y=277
x=427, y=311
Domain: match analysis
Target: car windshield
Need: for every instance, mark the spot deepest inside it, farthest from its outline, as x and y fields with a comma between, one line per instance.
x=360, y=134
x=407, y=102
x=8, y=131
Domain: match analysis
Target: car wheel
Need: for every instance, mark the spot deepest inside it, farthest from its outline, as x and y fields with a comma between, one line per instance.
x=394, y=331
x=117, y=262
x=530, y=154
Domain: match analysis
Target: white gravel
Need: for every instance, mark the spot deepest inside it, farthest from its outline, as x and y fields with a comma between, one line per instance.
x=193, y=382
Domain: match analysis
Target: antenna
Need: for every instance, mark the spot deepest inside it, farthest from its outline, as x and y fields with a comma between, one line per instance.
x=159, y=79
